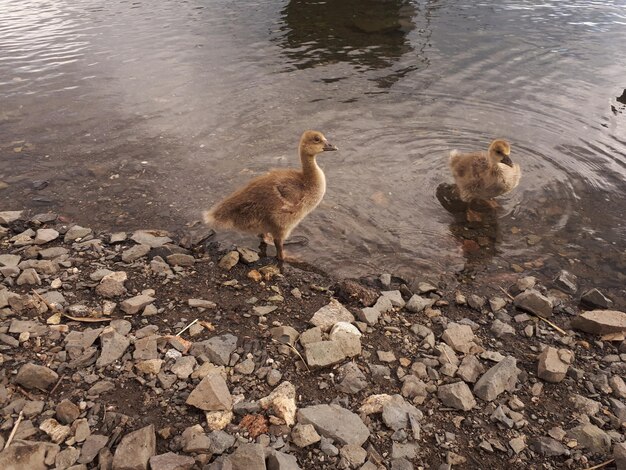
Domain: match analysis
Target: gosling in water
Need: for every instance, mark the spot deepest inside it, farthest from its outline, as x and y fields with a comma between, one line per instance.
x=275, y=203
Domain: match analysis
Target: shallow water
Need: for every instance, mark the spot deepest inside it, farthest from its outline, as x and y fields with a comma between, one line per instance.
x=139, y=114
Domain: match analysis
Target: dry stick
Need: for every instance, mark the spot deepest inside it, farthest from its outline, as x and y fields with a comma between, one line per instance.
x=600, y=465
x=187, y=327
x=294, y=350
x=14, y=430
x=560, y=330
x=57, y=384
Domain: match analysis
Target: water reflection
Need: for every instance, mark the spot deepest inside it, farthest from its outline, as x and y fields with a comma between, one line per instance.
x=370, y=34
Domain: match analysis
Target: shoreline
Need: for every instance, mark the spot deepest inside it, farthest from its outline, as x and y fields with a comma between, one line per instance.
x=422, y=375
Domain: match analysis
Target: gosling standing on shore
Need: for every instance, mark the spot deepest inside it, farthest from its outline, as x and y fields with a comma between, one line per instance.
x=276, y=202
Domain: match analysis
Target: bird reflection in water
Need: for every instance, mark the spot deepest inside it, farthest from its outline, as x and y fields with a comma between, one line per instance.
x=479, y=236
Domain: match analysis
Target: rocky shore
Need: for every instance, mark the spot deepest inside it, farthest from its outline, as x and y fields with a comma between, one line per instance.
x=143, y=350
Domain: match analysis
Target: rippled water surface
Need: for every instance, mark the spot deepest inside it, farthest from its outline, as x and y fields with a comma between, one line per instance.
x=138, y=114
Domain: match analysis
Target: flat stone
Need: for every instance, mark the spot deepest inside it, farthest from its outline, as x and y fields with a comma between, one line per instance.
x=135, y=304
x=194, y=439
x=32, y=376
x=323, y=353
x=218, y=349
x=149, y=366
x=247, y=255
x=456, y=395
x=417, y=303
x=352, y=455
x=91, y=447
x=53, y=252
x=28, y=277
x=248, y=457
x=326, y=317
x=8, y=217
x=183, y=367
x=211, y=394
x=591, y=437
x=348, y=337
x=600, y=322
x=470, y=369
x=180, y=259
x=501, y=329
x=67, y=412
x=229, y=260
x=566, y=282
x=534, y=302
x=501, y=377
x=201, y=303
x=304, y=435
x=263, y=310
x=24, y=455
x=135, y=450
x=619, y=454
x=114, y=346
x=117, y=237
x=135, y=252
x=75, y=232
x=67, y=457
x=398, y=414
x=351, y=379
x=395, y=297
x=45, y=235
x=335, y=422
x=551, y=367
x=151, y=238
x=593, y=298
x=281, y=461
x=547, y=447
x=10, y=260
x=459, y=337
x=285, y=334
x=171, y=461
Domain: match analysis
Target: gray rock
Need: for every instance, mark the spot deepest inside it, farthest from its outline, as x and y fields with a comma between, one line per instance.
x=248, y=457
x=135, y=304
x=497, y=304
x=470, y=369
x=395, y=297
x=335, y=422
x=458, y=337
x=348, y=337
x=75, y=232
x=9, y=260
x=595, y=299
x=501, y=377
x=229, y=260
x=218, y=349
x=397, y=413
x=146, y=349
x=327, y=447
x=401, y=464
x=553, y=364
x=45, y=235
x=135, y=252
x=548, y=447
x=352, y=456
x=28, y=277
x=417, y=303
x=369, y=315
x=145, y=237
x=194, y=439
x=91, y=447
x=201, y=303
x=247, y=255
x=323, y=353
x=304, y=435
x=110, y=288
x=7, y=217
x=351, y=379
x=404, y=451
x=220, y=442
x=24, y=455
x=619, y=454
x=183, y=367
x=171, y=461
x=456, y=395
x=566, y=281
x=600, y=322
x=326, y=317
x=591, y=438
x=500, y=329
x=67, y=412
x=135, y=450
x=53, y=252
x=281, y=461
x=534, y=302
x=32, y=376
x=285, y=334
x=211, y=394
x=67, y=457
x=180, y=259
x=114, y=346
x=476, y=302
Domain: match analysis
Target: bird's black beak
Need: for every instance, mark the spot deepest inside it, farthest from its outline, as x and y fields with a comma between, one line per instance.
x=329, y=148
x=507, y=161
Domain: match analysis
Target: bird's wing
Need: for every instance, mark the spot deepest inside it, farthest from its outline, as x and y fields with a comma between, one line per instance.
x=479, y=165
x=290, y=195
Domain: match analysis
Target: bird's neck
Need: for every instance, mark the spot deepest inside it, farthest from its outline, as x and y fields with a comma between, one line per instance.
x=312, y=173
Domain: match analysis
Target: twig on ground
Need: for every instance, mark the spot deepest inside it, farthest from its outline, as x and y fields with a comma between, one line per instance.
x=187, y=327
x=600, y=465
x=294, y=350
x=14, y=430
x=57, y=385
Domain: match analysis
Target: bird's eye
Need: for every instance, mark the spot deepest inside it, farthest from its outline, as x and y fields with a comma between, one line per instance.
x=316, y=139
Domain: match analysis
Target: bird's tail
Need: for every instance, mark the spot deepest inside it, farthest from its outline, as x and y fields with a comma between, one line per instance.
x=208, y=217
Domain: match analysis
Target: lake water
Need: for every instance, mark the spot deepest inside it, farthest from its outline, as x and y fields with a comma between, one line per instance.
x=139, y=114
